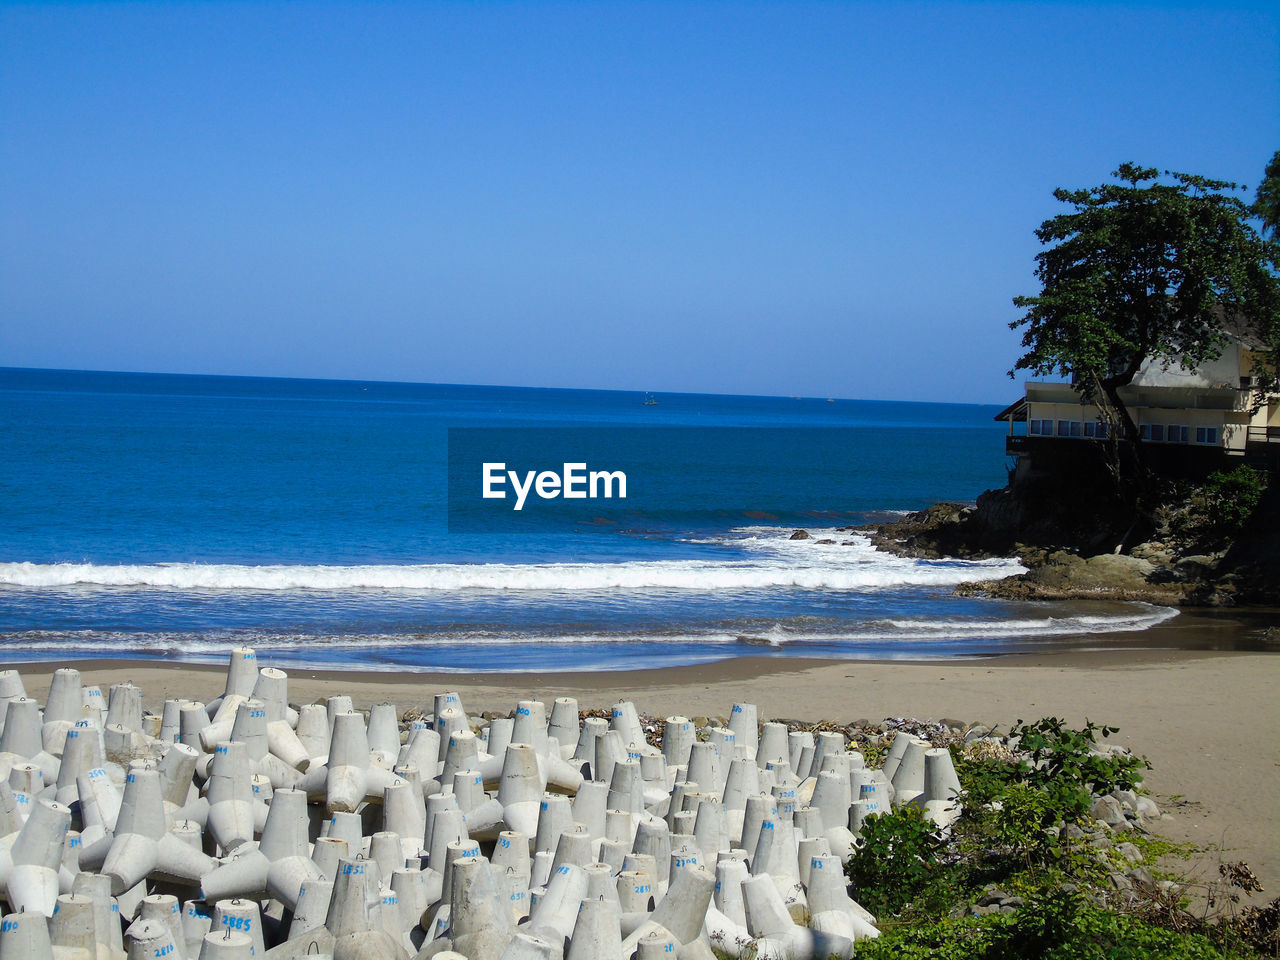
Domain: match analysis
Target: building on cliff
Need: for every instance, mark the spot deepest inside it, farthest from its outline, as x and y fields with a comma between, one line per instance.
x=1190, y=421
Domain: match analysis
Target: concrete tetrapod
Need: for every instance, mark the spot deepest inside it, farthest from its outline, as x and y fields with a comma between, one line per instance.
x=481, y=924
x=25, y=936
x=555, y=912
x=97, y=889
x=226, y=945
x=520, y=790
x=232, y=815
x=242, y=675
x=777, y=935
x=726, y=922
x=348, y=917
x=384, y=734
x=83, y=750
x=832, y=910
x=313, y=730
x=80, y=931
x=241, y=916
x=597, y=934
x=941, y=787
x=32, y=885
x=908, y=778
x=831, y=797
x=63, y=708
x=277, y=865
x=682, y=911
x=148, y=939
x=164, y=908
x=140, y=845
x=564, y=726
x=350, y=777
x=21, y=741
x=646, y=829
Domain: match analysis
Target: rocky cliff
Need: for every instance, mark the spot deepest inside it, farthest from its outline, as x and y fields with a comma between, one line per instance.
x=1081, y=539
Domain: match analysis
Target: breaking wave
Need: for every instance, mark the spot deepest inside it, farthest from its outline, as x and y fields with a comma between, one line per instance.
x=778, y=563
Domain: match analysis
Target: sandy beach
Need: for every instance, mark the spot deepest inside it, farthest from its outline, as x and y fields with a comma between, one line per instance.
x=1206, y=718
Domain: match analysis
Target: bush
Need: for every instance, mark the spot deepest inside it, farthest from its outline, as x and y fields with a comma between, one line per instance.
x=1231, y=496
x=1053, y=926
x=904, y=867
x=897, y=862
x=1056, y=901
x=1222, y=505
x=1064, y=766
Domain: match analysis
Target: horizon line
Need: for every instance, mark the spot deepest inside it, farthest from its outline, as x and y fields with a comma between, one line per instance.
x=487, y=386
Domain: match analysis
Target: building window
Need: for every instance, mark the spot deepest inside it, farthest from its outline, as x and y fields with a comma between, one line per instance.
x=1178, y=433
x=1096, y=430
x=1064, y=428
x=1157, y=432
x=1077, y=428
x=1035, y=428
x=1207, y=435
x=1144, y=431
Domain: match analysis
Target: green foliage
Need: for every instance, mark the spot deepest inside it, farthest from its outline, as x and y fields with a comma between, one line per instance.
x=1154, y=267
x=1012, y=824
x=903, y=867
x=1218, y=509
x=1266, y=202
x=1055, y=925
x=1064, y=766
x=1229, y=497
x=1056, y=780
x=897, y=861
x=873, y=751
x=920, y=882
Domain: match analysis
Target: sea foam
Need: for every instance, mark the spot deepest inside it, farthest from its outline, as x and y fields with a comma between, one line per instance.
x=778, y=563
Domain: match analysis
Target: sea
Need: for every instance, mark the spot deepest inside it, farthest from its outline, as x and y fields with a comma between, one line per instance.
x=174, y=517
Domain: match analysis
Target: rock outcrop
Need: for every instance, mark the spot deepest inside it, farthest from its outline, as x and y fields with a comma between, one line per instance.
x=1081, y=541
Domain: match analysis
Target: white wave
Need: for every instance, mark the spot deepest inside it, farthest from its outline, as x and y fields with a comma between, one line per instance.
x=1148, y=616
x=841, y=569
x=943, y=629
x=833, y=543
x=218, y=643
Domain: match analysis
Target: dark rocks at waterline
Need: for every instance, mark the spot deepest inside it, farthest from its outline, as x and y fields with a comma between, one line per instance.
x=1065, y=576
x=1043, y=519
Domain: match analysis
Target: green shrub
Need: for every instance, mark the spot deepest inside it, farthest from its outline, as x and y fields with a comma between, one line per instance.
x=919, y=881
x=897, y=862
x=1053, y=926
x=1231, y=496
x=1063, y=766
x=1221, y=506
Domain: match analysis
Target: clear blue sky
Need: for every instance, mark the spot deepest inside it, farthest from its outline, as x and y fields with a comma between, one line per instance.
x=781, y=198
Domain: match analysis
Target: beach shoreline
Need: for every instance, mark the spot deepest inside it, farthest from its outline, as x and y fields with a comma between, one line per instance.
x=1197, y=703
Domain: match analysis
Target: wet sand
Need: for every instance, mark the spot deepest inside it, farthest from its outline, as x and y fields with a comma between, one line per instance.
x=1205, y=712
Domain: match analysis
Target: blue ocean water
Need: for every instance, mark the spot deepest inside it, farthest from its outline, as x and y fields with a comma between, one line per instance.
x=175, y=516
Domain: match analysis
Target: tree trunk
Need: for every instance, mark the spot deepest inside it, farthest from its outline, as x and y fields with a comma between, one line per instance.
x=1111, y=388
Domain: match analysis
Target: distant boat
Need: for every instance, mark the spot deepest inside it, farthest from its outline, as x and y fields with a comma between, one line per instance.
x=649, y=401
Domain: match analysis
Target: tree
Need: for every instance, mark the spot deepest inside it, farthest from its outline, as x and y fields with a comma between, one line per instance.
x=1157, y=267
x=1266, y=203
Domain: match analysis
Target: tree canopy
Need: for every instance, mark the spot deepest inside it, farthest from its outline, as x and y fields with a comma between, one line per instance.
x=1266, y=202
x=1154, y=267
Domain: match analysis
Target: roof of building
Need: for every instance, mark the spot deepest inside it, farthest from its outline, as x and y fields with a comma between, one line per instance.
x=1014, y=411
